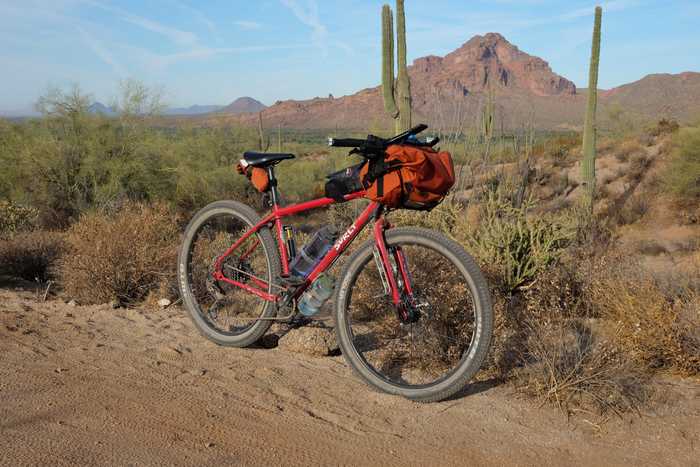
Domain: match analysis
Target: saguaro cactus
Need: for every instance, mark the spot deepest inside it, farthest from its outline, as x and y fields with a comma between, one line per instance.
x=488, y=115
x=395, y=90
x=589, y=129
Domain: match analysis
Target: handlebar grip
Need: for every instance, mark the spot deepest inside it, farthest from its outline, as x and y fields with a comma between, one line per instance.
x=346, y=142
x=418, y=128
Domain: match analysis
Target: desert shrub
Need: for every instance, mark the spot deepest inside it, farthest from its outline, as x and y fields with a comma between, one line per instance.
x=559, y=148
x=628, y=149
x=31, y=255
x=687, y=329
x=514, y=244
x=569, y=365
x=652, y=325
x=663, y=127
x=559, y=350
x=16, y=218
x=557, y=293
x=121, y=256
x=639, y=164
x=444, y=218
x=633, y=210
x=649, y=247
x=682, y=177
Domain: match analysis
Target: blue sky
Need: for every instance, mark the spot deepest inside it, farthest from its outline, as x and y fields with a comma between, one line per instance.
x=210, y=52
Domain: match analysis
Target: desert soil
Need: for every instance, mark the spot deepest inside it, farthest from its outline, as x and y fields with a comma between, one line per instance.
x=93, y=385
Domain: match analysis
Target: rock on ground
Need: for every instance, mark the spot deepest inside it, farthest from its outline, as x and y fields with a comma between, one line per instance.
x=318, y=342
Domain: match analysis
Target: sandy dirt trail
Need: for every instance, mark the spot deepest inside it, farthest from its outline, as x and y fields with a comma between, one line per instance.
x=93, y=385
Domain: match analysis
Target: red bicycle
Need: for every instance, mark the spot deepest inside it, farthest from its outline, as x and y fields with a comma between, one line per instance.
x=412, y=310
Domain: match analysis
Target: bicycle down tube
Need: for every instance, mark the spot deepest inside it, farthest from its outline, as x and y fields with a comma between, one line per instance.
x=275, y=217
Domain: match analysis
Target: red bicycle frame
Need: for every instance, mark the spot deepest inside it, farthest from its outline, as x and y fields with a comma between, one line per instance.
x=374, y=211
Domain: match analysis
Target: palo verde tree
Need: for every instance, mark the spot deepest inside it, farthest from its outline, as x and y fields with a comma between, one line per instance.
x=395, y=90
x=589, y=129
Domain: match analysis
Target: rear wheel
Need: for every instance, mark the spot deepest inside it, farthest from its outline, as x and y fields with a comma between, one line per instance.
x=224, y=313
x=432, y=355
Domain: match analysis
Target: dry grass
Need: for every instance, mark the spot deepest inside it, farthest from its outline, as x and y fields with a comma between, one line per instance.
x=633, y=210
x=628, y=149
x=30, y=256
x=120, y=257
x=567, y=364
x=655, y=327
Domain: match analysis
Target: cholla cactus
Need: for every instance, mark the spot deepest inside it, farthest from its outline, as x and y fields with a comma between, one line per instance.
x=396, y=91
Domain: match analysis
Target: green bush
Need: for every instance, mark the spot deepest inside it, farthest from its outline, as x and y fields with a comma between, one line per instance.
x=16, y=218
x=682, y=177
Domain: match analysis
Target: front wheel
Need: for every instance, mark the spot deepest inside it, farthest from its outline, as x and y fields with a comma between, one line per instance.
x=434, y=354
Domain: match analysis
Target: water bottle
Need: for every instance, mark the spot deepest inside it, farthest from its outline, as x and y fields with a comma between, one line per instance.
x=314, y=251
x=314, y=298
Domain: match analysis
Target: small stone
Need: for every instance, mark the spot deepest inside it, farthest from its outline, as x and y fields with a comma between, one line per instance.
x=209, y=445
x=164, y=302
x=114, y=304
x=72, y=303
x=317, y=342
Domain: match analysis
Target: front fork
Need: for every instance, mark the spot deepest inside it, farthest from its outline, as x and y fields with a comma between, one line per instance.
x=394, y=272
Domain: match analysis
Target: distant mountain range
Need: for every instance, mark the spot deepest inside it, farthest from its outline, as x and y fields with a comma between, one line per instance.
x=449, y=91
x=240, y=105
x=194, y=110
x=100, y=108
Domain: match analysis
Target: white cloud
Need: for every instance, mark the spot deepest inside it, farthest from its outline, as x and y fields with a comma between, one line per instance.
x=310, y=17
x=198, y=15
x=248, y=25
x=105, y=55
x=155, y=61
x=175, y=35
x=609, y=6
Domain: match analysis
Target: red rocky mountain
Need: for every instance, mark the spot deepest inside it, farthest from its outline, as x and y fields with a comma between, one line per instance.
x=449, y=91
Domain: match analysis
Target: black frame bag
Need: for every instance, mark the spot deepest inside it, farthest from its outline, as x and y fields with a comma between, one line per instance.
x=344, y=182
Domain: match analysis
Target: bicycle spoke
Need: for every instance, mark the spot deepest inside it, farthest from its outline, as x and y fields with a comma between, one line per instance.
x=421, y=352
x=226, y=307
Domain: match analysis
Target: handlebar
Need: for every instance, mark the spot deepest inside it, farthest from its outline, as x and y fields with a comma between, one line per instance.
x=346, y=142
x=374, y=145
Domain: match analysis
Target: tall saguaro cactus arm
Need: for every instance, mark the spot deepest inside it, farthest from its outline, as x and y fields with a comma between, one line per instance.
x=388, y=62
x=395, y=90
x=589, y=129
x=403, y=83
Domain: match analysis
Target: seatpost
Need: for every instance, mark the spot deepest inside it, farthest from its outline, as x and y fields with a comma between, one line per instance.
x=273, y=185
